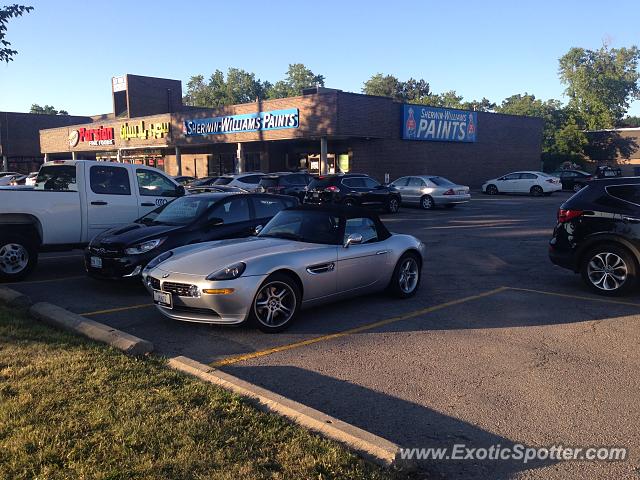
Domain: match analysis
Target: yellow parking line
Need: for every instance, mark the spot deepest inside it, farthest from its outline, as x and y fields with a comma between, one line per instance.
x=351, y=331
x=32, y=282
x=119, y=309
x=577, y=297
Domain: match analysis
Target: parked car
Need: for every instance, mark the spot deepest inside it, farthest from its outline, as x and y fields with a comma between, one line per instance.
x=202, y=182
x=286, y=183
x=124, y=251
x=303, y=257
x=572, y=179
x=534, y=183
x=598, y=235
x=249, y=181
x=352, y=189
x=429, y=191
x=184, y=179
x=216, y=188
x=72, y=202
x=18, y=180
x=606, y=171
x=7, y=177
x=31, y=179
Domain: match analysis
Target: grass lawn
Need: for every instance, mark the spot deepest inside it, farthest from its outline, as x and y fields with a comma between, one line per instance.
x=74, y=409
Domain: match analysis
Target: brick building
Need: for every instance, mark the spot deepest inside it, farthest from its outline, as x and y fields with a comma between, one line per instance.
x=323, y=130
x=20, y=141
x=619, y=146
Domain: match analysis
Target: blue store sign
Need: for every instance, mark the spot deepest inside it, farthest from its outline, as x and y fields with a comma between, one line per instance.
x=250, y=122
x=439, y=124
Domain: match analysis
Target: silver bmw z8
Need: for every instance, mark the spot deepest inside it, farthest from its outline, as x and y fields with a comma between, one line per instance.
x=304, y=256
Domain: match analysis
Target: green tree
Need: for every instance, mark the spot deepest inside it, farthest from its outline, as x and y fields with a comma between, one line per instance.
x=629, y=122
x=298, y=78
x=384, y=86
x=238, y=86
x=601, y=83
x=484, y=105
x=46, y=110
x=6, y=13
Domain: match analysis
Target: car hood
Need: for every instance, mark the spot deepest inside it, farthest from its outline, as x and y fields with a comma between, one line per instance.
x=134, y=233
x=203, y=259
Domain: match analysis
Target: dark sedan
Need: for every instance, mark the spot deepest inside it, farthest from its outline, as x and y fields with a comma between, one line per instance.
x=124, y=251
x=573, y=179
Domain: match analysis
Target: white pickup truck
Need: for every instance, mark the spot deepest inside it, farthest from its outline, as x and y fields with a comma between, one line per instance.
x=71, y=202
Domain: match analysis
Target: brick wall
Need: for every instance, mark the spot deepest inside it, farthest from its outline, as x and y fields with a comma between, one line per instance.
x=152, y=96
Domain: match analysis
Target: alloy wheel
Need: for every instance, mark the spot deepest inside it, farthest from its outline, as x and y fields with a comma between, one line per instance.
x=14, y=258
x=393, y=205
x=427, y=203
x=408, y=278
x=275, y=304
x=492, y=190
x=607, y=271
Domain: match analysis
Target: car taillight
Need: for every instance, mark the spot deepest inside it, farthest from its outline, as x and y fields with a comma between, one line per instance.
x=567, y=215
x=332, y=188
x=449, y=192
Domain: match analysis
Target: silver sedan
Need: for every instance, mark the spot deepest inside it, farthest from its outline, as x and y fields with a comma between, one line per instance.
x=429, y=191
x=303, y=257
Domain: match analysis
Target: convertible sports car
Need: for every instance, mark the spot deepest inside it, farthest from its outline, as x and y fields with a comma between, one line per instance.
x=304, y=256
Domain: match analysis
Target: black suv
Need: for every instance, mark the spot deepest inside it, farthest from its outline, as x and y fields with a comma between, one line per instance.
x=598, y=234
x=352, y=189
x=287, y=183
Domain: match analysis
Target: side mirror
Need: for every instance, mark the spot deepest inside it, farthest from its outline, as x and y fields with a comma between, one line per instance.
x=353, y=239
x=180, y=190
x=258, y=229
x=213, y=221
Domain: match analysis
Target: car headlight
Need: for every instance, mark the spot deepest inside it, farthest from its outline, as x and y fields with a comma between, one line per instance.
x=144, y=247
x=158, y=260
x=228, y=273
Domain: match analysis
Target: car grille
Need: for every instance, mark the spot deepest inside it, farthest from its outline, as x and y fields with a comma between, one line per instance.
x=153, y=283
x=201, y=311
x=180, y=289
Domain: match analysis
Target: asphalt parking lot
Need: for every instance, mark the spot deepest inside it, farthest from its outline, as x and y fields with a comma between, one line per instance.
x=497, y=347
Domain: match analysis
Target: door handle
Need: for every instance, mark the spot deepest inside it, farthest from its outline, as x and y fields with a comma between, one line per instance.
x=382, y=252
x=99, y=203
x=321, y=268
x=147, y=204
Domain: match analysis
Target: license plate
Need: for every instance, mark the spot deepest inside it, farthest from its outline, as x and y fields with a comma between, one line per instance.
x=96, y=262
x=162, y=298
x=462, y=192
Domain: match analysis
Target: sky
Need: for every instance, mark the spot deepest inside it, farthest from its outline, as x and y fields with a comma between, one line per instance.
x=69, y=50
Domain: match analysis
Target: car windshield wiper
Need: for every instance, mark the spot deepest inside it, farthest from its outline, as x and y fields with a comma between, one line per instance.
x=284, y=235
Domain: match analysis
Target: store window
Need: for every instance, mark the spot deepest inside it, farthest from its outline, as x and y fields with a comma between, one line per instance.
x=252, y=162
x=343, y=162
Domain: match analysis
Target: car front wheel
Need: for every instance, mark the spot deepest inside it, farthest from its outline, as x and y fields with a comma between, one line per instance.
x=18, y=256
x=406, y=276
x=427, y=203
x=491, y=190
x=577, y=187
x=276, y=303
x=393, y=205
x=536, y=190
x=609, y=270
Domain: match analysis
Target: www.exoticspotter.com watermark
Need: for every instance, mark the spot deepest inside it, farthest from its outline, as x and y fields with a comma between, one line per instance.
x=517, y=452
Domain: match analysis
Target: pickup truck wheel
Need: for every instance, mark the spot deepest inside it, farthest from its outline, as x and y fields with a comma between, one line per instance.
x=18, y=256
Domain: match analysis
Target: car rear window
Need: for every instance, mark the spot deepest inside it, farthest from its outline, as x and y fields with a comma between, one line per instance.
x=321, y=182
x=441, y=181
x=269, y=181
x=57, y=178
x=223, y=181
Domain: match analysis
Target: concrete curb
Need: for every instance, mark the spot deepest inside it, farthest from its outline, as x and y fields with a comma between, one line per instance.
x=59, y=317
x=376, y=449
x=13, y=298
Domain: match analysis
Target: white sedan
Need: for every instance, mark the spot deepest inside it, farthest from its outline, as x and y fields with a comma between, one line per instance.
x=534, y=183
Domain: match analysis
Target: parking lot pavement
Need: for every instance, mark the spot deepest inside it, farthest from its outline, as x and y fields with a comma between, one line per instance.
x=498, y=346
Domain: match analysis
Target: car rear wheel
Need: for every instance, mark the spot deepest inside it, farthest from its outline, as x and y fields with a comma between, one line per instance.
x=427, y=203
x=536, y=190
x=393, y=205
x=276, y=303
x=491, y=190
x=349, y=202
x=406, y=276
x=18, y=256
x=609, y=270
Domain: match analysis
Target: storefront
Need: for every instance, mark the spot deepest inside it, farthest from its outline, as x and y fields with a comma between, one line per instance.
x=323, y=131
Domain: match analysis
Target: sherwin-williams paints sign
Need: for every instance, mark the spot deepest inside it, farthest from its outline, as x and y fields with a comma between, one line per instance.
x=439, y=124
x=250, y=122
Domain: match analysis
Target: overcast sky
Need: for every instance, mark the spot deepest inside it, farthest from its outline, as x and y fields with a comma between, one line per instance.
x=69, y=50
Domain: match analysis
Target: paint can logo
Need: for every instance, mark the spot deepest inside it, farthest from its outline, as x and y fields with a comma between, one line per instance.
x=410, y=126
x=471, y=128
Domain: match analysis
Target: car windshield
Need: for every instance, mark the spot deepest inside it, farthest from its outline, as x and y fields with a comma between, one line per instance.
x=441, y=181
x=304, y=226
x=181, y=211
x=223, y=181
